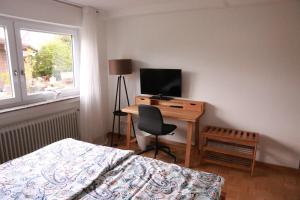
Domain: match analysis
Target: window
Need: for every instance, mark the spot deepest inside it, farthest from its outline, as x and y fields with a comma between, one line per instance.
x=47, y=60
x=37, y=62
x=6, y=91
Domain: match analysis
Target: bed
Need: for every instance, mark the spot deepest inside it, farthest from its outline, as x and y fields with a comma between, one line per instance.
x=72, y=169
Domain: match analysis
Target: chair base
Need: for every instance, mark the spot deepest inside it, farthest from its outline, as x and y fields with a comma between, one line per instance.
x=157, y=148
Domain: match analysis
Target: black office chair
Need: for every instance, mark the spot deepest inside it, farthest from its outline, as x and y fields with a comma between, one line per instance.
x=151, y=121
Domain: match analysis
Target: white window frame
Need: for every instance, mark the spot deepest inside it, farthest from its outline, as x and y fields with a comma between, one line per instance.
x=30, y=26
x=12, y=63
x=15, y=53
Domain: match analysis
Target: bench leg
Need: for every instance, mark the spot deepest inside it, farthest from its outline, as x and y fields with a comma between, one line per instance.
x=253, y=161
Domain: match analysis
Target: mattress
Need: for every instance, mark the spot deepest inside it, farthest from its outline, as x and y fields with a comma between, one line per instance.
x=72, y=169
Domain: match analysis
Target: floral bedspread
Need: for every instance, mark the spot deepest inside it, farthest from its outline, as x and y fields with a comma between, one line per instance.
x=58, y=171
x=71, y=169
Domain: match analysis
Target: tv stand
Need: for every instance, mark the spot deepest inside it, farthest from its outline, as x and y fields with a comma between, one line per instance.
x=161, y=97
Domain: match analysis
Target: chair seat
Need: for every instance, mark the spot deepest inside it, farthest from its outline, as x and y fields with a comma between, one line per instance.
x=168, y=128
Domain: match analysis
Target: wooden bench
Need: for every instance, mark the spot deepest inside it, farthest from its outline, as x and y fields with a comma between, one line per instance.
x=231, y=148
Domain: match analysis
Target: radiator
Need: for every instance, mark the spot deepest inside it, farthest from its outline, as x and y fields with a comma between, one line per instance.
x=22, y=138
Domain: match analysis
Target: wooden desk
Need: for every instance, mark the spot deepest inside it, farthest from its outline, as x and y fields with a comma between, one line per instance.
x=190, y=112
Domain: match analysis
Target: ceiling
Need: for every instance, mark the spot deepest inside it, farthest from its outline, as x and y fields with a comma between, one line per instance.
x=115, y=8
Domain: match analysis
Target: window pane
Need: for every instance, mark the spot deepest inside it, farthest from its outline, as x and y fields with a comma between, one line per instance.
x=6, y=90
x=48, y=61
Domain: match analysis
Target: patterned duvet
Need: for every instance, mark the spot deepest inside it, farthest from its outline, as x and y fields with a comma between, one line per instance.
x=71, y=169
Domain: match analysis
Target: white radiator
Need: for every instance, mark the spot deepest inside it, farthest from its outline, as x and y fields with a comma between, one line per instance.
x=22, y=138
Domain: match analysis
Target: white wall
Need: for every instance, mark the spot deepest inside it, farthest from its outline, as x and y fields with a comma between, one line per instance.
x=42, y=10
x=243, y=61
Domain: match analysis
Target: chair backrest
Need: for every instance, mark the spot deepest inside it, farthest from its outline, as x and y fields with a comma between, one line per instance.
x=150, y=119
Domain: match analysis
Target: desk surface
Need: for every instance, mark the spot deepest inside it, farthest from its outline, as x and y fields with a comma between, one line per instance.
x=175, y=113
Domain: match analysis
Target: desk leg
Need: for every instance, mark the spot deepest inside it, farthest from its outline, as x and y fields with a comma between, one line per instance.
x=128, y=134
x=188, y=144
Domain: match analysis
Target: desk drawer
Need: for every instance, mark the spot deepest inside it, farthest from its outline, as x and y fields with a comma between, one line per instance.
x=193, y=106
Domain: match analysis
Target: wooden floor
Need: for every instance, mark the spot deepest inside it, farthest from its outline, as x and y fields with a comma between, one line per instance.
x=267, y=183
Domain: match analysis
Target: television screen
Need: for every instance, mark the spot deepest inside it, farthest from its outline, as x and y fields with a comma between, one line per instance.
x=163, y=82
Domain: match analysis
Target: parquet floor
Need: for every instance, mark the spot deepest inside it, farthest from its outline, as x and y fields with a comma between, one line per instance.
x=267, y=183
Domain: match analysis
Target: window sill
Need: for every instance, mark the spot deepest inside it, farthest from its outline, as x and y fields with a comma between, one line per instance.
x=28, y=106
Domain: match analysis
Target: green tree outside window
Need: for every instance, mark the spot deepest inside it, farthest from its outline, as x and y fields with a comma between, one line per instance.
x=53, y=58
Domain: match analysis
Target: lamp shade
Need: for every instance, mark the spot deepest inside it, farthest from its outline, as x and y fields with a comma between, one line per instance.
x=120, y=66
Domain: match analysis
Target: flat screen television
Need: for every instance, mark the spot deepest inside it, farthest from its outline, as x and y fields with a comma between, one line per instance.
x=161, y=82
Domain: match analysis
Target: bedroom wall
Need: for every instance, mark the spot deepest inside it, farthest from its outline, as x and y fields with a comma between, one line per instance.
x=243, y=61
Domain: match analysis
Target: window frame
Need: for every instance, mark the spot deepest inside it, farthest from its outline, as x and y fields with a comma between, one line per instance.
x=12, y=62
x=15, y=53
x=43, y=28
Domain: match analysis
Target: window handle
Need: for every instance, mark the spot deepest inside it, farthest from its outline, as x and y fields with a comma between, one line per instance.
x=16, y=73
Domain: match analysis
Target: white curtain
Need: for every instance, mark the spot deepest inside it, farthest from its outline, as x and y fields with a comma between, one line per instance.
x=91, y=109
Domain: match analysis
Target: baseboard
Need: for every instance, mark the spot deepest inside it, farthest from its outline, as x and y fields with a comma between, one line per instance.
x=274, y=166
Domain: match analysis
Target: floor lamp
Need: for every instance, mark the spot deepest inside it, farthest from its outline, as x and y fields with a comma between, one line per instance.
x=119, y=67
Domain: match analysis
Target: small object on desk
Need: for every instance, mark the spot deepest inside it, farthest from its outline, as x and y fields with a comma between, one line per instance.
x=231, y=148
x=161, y=97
